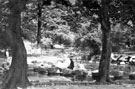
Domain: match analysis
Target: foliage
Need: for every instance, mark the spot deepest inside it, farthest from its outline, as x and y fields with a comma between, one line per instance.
x=55, y=27
x=3, y=25
x=87, y=30
x=29, y=21
x=66, y=24
x=60, y=23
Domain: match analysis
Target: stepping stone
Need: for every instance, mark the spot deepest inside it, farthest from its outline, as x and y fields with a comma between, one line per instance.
x=117, y=74
x=132, y=76
x=95, y=76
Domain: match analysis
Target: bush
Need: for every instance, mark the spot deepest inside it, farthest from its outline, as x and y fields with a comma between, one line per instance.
x=116, y=48
x=46, y=43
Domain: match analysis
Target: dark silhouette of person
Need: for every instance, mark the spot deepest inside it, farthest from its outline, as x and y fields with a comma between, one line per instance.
x=71, y=66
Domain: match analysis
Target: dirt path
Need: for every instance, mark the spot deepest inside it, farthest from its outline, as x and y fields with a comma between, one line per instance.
x=91, y=86
x=87, y=87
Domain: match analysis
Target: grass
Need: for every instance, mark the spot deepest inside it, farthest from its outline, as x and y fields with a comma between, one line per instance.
x=125, y=83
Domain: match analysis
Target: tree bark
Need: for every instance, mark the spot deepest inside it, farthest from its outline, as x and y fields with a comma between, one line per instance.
x=104, y=65
x=17, y=74
x=39, y=23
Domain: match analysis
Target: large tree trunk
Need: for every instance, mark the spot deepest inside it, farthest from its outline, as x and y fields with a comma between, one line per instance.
x=17, y=74
x=105, y=58
x=106, y=43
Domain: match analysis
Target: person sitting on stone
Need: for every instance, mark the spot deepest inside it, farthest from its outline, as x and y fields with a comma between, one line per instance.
x=71, y=66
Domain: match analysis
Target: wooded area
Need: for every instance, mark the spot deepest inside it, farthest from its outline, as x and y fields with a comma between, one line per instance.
x=98, y=27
